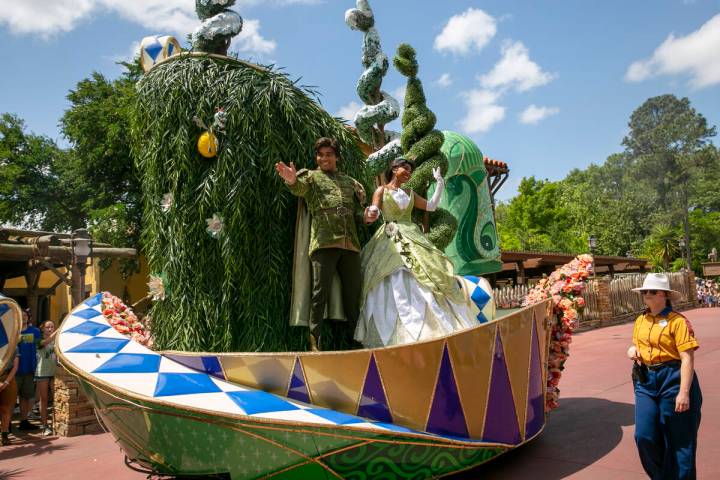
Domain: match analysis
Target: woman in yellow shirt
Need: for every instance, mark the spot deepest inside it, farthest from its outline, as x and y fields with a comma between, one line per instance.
x=667, y=392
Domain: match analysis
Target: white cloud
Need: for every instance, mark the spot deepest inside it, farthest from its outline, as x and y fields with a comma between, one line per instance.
x=348, y=111
x=444, y=81
x=482, y=110
x=43, y=17
x=472, y=29
x=515, y=69
x=534, y=114
x=399, y=94
x=48, y=18
x=695, y=54
x=250, y=40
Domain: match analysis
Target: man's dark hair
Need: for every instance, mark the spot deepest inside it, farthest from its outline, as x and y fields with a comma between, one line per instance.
x=398, y=162
x=327, y=142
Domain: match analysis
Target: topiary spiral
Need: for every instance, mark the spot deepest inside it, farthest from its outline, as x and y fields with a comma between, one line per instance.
x=219, y=25
x=380, y=107
x=421, y=143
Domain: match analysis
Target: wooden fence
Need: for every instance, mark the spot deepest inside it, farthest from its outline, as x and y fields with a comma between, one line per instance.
x=510, y=297
x=607, y=301
x=613, y=299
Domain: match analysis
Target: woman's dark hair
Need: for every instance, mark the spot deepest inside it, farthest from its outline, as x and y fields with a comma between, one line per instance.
x=668, y=303
x=398, y=162
x=327, y=142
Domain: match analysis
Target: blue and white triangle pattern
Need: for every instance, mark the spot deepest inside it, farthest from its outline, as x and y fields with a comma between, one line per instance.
x=4, y=340
x=88, y=342
x=480, y=292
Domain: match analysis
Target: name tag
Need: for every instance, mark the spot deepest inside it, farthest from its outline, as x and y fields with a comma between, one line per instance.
x=663, y=323
x=27, y=338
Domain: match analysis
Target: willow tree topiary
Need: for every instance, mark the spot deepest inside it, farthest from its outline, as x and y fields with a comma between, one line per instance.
x=218, y=221
x=421, y=143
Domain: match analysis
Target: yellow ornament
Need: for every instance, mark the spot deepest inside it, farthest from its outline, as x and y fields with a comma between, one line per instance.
x=207, y=145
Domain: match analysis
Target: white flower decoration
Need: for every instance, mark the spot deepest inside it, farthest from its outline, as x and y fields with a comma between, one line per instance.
x=391, y=229
x=215, y=225
x=156, y=287
x=167, y=202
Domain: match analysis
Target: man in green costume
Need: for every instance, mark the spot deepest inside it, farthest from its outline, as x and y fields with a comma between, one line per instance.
x=336, y=203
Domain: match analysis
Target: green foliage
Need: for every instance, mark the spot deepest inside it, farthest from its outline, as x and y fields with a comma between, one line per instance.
x=230, y=293
x=705, y=235
x=421, y=144
x=636, y=201
x=100, y=165
x=661, y=247
x=537, y=219
x=33, y=189
x=93, y=182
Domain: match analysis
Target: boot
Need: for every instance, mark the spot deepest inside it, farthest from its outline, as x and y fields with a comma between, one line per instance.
x=314, y=343
x=5, y=438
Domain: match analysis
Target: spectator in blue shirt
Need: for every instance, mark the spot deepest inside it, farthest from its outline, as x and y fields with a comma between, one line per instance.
x=30, y=338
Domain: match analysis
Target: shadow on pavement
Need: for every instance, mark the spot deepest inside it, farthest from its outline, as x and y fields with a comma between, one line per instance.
x=10, y=474
x=577, y=434
x=28, y=445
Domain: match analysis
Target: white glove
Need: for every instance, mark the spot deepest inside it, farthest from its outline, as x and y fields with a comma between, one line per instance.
x=433, y=203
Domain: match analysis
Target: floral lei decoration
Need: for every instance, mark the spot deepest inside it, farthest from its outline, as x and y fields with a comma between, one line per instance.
x=124, y=320
x=564, y=287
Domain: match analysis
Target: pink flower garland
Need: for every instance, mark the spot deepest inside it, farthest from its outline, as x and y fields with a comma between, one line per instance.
x=564, y=287
x=124, y=320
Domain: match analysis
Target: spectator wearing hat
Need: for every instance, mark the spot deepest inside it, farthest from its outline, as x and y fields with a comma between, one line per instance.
x=667, y=391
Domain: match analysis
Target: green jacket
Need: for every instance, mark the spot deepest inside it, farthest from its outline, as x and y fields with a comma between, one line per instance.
x=335, y=202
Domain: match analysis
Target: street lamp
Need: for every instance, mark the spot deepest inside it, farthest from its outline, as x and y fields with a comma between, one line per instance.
x=592, y=243
x=681, y=243
x=81, y=251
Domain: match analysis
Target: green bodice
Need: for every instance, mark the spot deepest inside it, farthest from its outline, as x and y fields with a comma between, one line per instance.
x=391, y=210
x=399, y=243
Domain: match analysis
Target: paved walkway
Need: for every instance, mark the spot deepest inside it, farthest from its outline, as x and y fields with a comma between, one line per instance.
x=589, y=437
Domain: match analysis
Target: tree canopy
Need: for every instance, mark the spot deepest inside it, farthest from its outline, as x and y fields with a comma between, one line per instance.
x=92, y=183
x=664, y=187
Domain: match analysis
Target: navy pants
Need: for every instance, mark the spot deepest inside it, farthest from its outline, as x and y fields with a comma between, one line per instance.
x=666, y=441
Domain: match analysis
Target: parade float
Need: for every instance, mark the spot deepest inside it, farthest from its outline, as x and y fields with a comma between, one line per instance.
x=219, y=230
x=10, y=327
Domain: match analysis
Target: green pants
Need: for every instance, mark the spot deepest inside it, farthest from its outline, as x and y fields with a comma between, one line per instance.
x=325, y=262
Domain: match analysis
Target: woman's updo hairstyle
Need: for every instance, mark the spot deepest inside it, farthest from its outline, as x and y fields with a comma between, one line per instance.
x=398, y=162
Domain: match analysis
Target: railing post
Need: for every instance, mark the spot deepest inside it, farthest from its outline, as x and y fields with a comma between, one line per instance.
x=692, y=289
x=601, y=288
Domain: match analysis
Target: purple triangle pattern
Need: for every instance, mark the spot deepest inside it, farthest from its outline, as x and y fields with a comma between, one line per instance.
x=373, y=402
x=298, y=386
x=501, y=422
x=446, y=413
x=535, y=416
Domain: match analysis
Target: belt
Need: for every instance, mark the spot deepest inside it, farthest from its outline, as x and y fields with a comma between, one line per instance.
x=658, y=366
x=341, y=210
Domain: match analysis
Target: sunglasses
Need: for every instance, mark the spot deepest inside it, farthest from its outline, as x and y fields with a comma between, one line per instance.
x=651, y=292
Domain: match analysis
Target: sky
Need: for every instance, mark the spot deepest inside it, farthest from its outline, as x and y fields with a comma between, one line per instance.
x=546, y=86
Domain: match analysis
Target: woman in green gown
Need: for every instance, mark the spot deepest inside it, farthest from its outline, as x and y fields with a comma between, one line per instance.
x=409, y=290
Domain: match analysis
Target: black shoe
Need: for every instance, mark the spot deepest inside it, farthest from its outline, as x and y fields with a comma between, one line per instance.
x=5, y=438
x=25, y=425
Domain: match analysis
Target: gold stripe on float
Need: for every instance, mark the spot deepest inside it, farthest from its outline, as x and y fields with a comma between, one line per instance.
x=336, y=381
x=471, y=356
x=264, y=373
x=409, y=376
x=515, y=334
